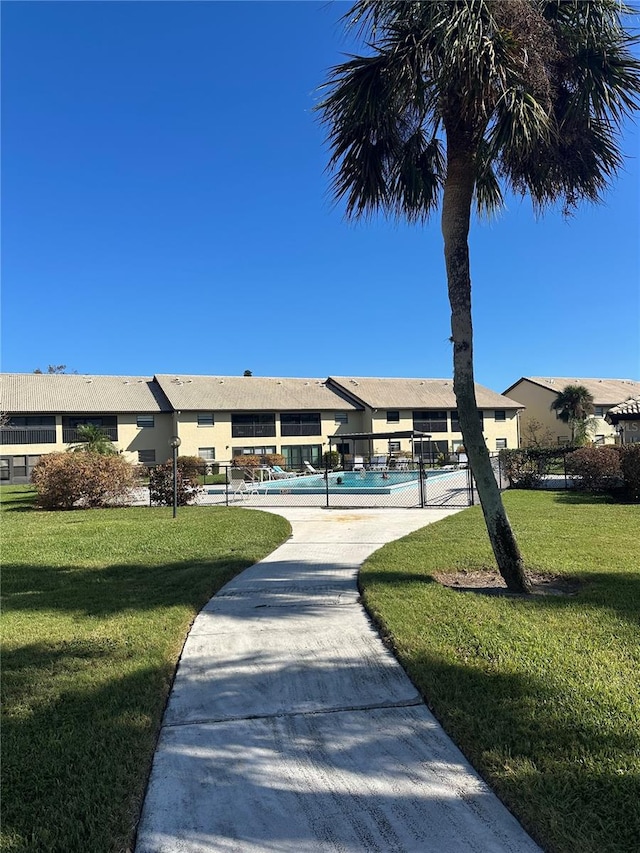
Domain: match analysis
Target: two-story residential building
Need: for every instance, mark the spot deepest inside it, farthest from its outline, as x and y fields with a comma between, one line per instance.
x=426, y=406
x=43, y=411
x=222, y=417
x=537, y=393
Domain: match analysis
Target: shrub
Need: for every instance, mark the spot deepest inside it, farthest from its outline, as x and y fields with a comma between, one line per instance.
x=331, y=459
x=67, y=480
x=521, y=468
x=191, y=466
x=161, y=485
x=272, y=459
x=246, y=461
x=630, y=464
x=599, y=468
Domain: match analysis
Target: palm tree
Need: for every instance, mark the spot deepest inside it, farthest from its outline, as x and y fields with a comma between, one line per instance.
x=92, y=439
x=455, y=99
x=574, y=405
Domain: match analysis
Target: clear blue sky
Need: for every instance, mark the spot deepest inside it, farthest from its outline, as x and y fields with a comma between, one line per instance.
x=166, y=209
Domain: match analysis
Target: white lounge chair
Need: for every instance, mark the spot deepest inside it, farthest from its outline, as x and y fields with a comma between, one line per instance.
x=379, y=462
x=278, y=473
x=309, y=467
x=358, y=463
x=240, y=488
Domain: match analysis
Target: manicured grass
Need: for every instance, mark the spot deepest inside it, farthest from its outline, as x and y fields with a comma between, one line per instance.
x=543, y=695
x=97, y=605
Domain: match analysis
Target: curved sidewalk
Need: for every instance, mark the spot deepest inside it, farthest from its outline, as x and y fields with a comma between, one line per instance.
x=292, y=729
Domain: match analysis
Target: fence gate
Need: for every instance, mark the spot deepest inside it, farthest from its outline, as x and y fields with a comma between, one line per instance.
x=454, y=488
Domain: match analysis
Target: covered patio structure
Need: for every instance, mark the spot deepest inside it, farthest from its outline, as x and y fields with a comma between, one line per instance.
x=363, y=445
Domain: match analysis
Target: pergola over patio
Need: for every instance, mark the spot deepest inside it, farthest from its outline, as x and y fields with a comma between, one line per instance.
x=417, y=438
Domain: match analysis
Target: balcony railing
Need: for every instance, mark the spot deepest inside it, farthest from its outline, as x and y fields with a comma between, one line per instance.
x=28, y=435
x=70, y=435
x=300, y=429
x=253, y=430
x=430, y=426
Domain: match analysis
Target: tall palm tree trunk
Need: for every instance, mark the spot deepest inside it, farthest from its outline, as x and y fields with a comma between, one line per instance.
x=456, y=217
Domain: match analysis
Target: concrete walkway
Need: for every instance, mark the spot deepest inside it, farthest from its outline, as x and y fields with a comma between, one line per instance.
x=292, y=729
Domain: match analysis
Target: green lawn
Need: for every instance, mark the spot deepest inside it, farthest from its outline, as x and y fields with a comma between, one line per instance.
x=543, y=695
x=97, y=605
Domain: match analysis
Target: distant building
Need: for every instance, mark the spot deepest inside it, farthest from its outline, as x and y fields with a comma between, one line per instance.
x=625, y=419
x=537, y=393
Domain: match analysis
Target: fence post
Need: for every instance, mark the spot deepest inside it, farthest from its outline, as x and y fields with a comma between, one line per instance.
x=470, y=485
x=226, y=485
x=422, y=481
x=326, y=480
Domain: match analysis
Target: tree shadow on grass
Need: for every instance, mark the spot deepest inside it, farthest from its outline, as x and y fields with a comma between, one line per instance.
x=571, y=770
x=75, y=767
x=572, y=497
x=76, y=760
x=117, y=588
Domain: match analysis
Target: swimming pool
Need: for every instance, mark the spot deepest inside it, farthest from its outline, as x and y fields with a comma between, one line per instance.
x=351, y=482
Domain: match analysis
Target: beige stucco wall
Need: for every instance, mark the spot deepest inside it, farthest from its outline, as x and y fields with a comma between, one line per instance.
x=493, y=430
x=537, y=402
x=218, y=436
x=131, y=439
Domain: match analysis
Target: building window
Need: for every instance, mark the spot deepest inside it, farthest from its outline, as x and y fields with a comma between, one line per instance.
x=455, y=420
x=296, y=454
x=207, y=453
x=343, y=448
x=300, y=423
x=500, y=415
x=107, y=423
x=394, y=447
x=430, y=421
x=146, y=457
x=599, y=439
x=253, y=451
x=501, y=443
x=393, y=417
x=255, y=425
x=205, y=419
x=145, y=421
x=37, y=429
x=599, y=411
x=341, y=418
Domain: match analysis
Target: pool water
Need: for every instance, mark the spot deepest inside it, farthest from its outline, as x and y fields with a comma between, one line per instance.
x=362, y=482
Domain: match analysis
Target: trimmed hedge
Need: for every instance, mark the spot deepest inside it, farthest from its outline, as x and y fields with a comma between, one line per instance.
x=599, y=468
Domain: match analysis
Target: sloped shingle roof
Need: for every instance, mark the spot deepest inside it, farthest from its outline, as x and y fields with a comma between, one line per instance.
x=627, y=410
x=250, y=393
x=605, y=392
x=58, y=392
x=416, y=393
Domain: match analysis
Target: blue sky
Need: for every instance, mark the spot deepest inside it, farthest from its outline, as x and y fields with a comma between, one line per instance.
x=166, y=209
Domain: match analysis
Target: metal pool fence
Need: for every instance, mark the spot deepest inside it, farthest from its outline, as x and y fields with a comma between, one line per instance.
x=410, y=485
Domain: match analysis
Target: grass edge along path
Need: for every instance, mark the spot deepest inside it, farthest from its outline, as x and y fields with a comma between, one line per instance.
x=542, y=695
x=97, y=606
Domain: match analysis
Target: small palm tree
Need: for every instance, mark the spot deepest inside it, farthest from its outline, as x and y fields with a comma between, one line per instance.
x=92, y=439
x=455, y=99
x=574, y=406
